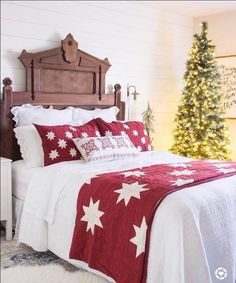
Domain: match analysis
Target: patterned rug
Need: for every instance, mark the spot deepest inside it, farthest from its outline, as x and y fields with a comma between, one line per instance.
x=14, y=254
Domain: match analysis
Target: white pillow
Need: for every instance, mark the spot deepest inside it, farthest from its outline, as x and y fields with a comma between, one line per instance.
x=108, y=114
x=30, y=145
x=16, y=109
x=28, y=114
x=106, y=148
x=85, y=116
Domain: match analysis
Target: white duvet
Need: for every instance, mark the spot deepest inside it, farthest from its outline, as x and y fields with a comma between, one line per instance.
x=192, y=236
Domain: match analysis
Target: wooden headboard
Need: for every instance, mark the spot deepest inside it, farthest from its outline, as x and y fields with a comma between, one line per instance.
x=61, y=77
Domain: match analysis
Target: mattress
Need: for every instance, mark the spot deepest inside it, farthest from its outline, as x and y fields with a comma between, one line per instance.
x=23, y=175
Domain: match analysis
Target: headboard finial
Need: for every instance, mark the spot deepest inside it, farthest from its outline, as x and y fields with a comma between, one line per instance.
x=117, y=87
x=69, y=47
x=7, y=82
x=107, y=61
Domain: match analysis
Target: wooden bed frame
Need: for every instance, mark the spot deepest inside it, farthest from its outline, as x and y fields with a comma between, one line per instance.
x=61, y=77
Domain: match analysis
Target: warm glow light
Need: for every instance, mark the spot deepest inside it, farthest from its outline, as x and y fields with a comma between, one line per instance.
x=201, y=130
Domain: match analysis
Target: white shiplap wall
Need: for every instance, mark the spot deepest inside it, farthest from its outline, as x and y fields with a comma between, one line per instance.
x=146, y=47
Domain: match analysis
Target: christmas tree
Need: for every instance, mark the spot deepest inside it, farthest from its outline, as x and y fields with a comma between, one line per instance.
x=201, y=130
x=148, y=120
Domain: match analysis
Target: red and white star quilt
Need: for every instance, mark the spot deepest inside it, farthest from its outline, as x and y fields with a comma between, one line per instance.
x=115, y=213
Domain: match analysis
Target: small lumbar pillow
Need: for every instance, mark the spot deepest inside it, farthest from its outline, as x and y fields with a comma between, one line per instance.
x=106, y=148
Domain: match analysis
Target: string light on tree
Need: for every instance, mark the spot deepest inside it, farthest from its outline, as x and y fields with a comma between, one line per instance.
x=201, y=130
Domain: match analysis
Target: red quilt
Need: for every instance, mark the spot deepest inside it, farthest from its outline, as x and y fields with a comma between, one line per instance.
x=115, y=213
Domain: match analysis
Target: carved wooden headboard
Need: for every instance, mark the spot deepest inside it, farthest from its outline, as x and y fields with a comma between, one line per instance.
x=61, y=77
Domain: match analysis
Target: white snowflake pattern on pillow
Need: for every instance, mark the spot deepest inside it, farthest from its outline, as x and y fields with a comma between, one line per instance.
x=50, y=135
x=73, y=152
x=135, y=133
x=143, y=140
x=62, y=143
x=69, y=135
x=53, y=154
x=108, y=133
x=84, y=135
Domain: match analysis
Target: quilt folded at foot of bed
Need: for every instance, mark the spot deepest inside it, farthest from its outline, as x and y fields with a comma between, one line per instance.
x=115, y=213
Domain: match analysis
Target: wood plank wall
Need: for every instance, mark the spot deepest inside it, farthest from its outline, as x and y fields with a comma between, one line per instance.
x=147, y=47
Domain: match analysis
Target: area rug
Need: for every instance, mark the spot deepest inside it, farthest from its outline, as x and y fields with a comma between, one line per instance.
x=47, y=274
x=21, y=264
x=15, y=254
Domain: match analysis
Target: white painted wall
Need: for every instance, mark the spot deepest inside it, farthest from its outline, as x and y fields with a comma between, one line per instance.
x=146, y=47
x=221, y=29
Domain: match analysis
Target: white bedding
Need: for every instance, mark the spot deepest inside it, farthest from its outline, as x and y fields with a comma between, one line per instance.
x=22, y=174
x=193, y=233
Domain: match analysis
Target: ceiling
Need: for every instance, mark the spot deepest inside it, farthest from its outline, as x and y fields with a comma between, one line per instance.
x=193, y=8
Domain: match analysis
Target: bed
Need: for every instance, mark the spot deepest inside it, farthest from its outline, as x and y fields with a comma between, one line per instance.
x=195, y=227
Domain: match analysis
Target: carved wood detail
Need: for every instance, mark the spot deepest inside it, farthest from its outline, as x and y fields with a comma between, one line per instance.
x=69, y=47
x=51, y=80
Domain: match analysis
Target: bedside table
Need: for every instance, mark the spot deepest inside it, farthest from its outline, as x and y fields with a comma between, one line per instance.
x=6, y=195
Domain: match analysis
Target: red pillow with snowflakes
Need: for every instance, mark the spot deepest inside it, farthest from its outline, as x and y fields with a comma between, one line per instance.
x=57, y=141
x=134, y=129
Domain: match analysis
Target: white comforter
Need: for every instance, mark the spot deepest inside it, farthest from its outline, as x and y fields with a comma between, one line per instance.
x=193, y=233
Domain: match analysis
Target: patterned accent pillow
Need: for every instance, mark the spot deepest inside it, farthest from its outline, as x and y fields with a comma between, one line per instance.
x=57, y=141
x=106, y=148
x=134, y=129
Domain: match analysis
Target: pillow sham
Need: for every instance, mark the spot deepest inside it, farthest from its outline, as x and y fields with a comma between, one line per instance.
x=57, y=141
x=134, y=129
x=30, y=144
x=108, y=114
x=29, y=114
x=106, y=148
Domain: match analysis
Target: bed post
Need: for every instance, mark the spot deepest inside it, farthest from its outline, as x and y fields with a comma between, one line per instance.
x=6, y=119
x=120, y=104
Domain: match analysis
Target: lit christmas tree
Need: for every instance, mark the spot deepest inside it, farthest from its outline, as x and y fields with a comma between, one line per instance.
x=201, y=130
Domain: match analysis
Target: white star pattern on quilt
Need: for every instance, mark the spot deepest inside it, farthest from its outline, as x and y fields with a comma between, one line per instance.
x=73, y=129
x=139, y=148
x=181, y=182
x=227, y=170
x=140, y=237
x=62, y=143
x=182, y=172
x=73, y=152
x=108, y=133
x=50, y=135
x=69, y=135
x=179, y=165
x=133, y=173
x=123, y=133
x=128, y=191
x=92, y=215
x=53, y=154
x=84, y=135
x=143, y=140
x=135, y=133
x=97, y=133
x=126, y=127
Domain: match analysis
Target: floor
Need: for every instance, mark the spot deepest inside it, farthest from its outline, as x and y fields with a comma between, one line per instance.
x=13, y=253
